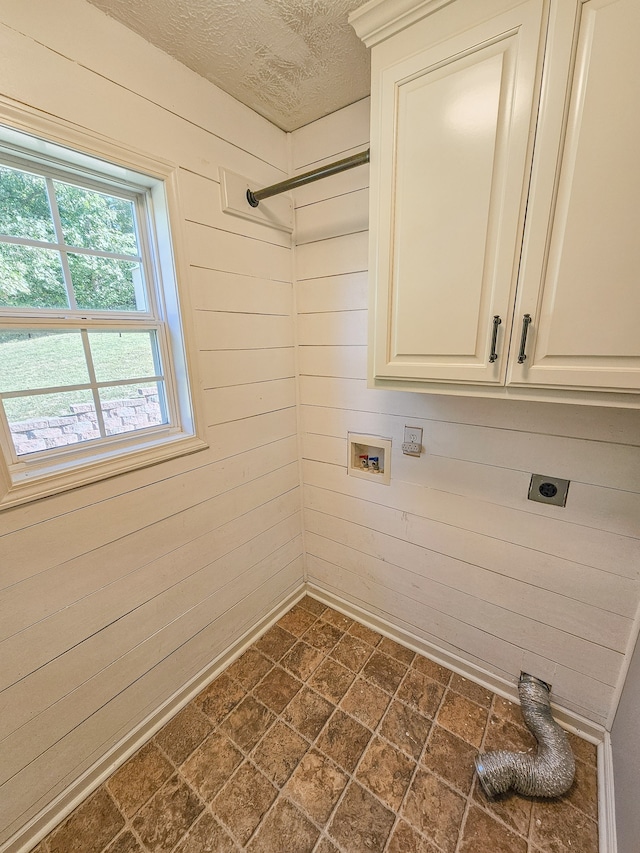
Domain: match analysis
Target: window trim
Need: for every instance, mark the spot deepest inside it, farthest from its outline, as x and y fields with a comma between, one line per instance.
x=24, y=479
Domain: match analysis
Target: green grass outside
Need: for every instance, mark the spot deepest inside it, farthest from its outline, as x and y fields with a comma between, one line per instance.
x=48, y=360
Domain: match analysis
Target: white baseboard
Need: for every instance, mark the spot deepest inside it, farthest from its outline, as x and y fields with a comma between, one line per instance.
x=55, y=812
x=606, y=798
x=568, y=719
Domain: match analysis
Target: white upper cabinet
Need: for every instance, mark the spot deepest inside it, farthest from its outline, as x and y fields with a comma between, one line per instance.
x=580, y=273
x=504, y=170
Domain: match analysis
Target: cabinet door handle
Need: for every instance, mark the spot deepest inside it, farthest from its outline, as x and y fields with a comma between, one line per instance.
x=494, y=338
x=523, y=339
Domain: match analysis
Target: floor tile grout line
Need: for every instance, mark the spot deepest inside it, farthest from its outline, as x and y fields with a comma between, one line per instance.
x=113, y=796
x=393, y=696
x=281, y=789
x=129, y=827
x=343, y=628
x=246, y=757
x=313, y=745
x=469, y=800
x=399, y=812
x=358, y=674
x=376, y=733
x=530, y=844
x=463, y=822
x=281, y=795
x=351, y=777
x=468, y=797
x=476, y=783
x=262, y=819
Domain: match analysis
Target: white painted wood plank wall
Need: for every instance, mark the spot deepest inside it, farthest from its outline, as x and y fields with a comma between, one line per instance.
x=113, y=596
x=452, y=551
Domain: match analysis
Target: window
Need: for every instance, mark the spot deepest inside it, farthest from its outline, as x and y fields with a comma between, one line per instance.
x=93, y=372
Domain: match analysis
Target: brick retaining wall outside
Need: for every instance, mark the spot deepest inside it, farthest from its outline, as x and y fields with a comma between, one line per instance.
x=81, y=422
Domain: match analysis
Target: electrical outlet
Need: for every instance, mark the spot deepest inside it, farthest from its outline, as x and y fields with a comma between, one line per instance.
x=412, y=444
x=410, y=448
x=548, y=490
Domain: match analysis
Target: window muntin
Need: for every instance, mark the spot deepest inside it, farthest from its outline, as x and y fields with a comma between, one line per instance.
x=68, y=246
x=88, y=261
x=83, y=253
x=90, y=384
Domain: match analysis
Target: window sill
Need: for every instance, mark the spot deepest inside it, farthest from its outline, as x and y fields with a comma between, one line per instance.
x=29, y=482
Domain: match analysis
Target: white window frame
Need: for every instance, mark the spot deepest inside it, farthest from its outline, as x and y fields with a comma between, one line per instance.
x=152, y=183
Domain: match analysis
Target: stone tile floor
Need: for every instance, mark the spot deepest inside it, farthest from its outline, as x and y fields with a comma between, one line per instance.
x=324, y=736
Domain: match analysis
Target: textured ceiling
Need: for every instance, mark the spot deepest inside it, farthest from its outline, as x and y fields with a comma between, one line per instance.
x=292, y=61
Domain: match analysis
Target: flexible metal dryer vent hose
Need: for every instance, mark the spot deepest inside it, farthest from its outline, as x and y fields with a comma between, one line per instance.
x=550, y=772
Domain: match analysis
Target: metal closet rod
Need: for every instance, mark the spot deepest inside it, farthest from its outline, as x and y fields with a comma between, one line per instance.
x=254, y=198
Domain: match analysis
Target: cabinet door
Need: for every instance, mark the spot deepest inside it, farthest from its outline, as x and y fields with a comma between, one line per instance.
x=450, y=138
x=580, y=279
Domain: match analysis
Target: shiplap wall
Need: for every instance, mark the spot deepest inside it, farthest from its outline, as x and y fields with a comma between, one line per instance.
x=452, y=551
x=113, y=596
